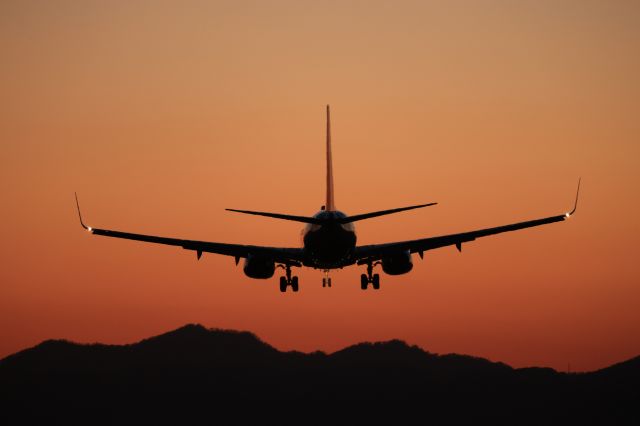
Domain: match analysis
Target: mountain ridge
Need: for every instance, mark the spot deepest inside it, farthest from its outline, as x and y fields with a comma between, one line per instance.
x=193, y=367
x=196, y=331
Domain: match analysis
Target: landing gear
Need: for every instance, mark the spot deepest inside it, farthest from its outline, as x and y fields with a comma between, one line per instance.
x=376, y=282
x=326, y=280
x=288, y=280
x=370, y=278
x=364, y=281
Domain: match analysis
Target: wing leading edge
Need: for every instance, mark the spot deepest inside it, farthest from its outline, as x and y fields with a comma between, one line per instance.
x=368, y=253
x=292, y=256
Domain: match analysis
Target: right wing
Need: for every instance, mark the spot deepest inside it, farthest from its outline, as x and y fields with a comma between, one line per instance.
x=369, y=253
x=291, y=256
x=364, y=254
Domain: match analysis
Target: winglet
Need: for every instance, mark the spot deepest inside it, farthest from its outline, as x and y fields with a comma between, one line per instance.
x=575, y=206
x=88, y=228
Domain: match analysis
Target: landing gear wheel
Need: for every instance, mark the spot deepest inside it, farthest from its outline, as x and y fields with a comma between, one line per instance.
x=288, y=280
x=326, y=279
x=364, y=281
x=370, y=277
x=376, y=282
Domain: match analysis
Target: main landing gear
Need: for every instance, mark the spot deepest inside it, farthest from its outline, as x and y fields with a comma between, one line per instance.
x=326, y=280
x=370, y=278
x=288, y=280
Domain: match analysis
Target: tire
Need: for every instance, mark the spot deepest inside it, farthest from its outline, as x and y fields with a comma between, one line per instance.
x=376, y=281
x=294, y=284
x=328, y=282
x=364, y=281
x=283, y=284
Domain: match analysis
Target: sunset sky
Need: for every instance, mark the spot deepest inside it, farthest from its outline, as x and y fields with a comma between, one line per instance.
x=162, y=114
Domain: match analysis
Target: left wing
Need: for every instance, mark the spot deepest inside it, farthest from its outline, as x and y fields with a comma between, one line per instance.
x=290, y=256
x=369, y=253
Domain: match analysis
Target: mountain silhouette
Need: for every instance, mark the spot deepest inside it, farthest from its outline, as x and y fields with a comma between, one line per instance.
x=199, y=374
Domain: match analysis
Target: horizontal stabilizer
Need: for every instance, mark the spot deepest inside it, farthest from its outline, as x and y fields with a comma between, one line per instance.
x=354, y=218
x=303, y=219
x=319, y=221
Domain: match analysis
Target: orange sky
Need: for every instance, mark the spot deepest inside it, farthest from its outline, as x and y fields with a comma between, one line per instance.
x=162, y=114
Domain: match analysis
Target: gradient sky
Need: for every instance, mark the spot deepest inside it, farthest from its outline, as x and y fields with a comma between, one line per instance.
x=162, y=114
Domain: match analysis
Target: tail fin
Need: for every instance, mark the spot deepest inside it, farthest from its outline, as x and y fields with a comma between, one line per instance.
x=330, y=204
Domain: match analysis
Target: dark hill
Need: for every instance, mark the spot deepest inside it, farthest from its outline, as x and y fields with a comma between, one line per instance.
x=198, y=373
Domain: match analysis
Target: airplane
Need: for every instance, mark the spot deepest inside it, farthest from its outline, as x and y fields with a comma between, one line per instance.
x=329, y=241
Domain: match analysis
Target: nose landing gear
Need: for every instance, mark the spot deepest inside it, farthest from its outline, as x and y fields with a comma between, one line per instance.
x=326, y=280
x=370, y=278
x=288, y=280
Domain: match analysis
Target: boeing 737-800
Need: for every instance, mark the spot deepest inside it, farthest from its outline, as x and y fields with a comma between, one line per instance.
x=329, y=241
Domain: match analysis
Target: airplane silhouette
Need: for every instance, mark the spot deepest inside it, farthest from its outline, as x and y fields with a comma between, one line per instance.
x=329, y=241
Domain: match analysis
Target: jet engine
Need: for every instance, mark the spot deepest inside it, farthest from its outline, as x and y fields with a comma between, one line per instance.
x=398, y=263
x=260, y=268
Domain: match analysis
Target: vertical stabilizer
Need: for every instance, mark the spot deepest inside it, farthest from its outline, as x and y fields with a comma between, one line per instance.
x=330, y=204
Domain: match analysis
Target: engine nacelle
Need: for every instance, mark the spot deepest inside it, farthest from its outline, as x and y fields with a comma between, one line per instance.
x=398, y=263
x=256, y=267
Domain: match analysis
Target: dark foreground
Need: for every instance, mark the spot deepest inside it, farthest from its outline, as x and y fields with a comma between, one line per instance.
x=222, y=377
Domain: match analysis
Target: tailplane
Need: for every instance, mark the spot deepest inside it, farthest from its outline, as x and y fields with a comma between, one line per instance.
x=320, y=221
x=363, y=216
x=303, y=219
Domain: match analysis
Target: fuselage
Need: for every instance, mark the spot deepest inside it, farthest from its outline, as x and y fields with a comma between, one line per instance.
x=330, y=245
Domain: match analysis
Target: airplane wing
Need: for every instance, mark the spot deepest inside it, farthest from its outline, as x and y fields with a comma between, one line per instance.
x=369, y=253
x=291, y=256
